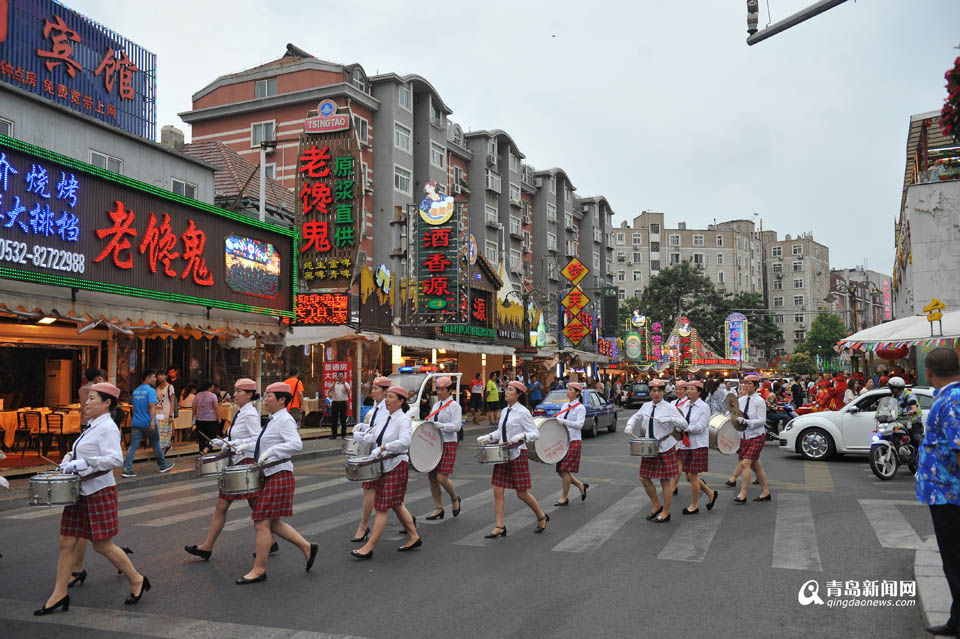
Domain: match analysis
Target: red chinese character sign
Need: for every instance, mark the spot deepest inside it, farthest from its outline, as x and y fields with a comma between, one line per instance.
x=575, y=331
x=438, y=245
x=575, y=271
x=323, y=309
x=575, y=301
x=330, y=371
x=329, y=208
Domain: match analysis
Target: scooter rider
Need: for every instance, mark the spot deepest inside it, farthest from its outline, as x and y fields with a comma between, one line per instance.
x=908, y=406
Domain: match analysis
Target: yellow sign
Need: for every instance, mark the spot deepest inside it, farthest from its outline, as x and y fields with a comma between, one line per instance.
x=933, y=310
x=575, y=271
x=575, y=301
x=575, y=331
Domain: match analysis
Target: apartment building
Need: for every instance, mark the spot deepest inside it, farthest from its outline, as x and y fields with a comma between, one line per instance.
x=861, y=297
x=556, y=234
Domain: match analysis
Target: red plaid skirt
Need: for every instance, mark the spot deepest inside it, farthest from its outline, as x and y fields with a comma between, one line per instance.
x=751, y=448
x=514, y=474
x=694, y=460
x=94, y=518
x=663, y=466
x=571, y=461
x=391, y=488
x=250, y=495
x=445, y=467
x=276, y=497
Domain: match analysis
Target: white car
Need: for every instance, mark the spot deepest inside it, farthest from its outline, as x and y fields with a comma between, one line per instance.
x=819, y=436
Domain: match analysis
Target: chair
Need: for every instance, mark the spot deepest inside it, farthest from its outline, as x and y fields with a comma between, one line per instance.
x=120, y=419
x=30, y=422
x=54, y=430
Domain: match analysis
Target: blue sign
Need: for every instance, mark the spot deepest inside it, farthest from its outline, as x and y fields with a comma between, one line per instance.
x=67, y=58
x=327, y=107
x=40, y=218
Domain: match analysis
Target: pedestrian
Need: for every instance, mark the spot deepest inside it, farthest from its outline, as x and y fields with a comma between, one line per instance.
x=536, y=391
x=339, y=394
x=572, y=414
x=377, y=415
x=393, y=438
x=206, y=415
x=938, y=472
x=143, y=424
x=752, y=439
x=476, y=397
x=796, y=392
x=166, y=400
x=693, y=456
x=493, y=398
x=867, y=386
x=615, y=390
x=95, y=516
x=852, y=392
x=296, y=385
x=657, y=419
x=516, y=427
x=447, y=415
x=715, y=395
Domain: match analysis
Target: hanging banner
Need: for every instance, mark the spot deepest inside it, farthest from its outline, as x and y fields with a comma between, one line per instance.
x=735, y=336
x=330, y=370
x=438, y=247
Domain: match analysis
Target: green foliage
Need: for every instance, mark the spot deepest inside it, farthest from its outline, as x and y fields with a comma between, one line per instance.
x=625, y=310
x=825, y=331
x=683, y=290
x=801, y=364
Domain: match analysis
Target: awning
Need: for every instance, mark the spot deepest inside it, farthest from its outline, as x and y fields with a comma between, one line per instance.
x=304, y=335
x=584, y=356
x=906, y=331
x=451, y=345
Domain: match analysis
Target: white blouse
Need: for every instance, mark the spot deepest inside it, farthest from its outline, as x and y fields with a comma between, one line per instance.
x=246, y=425
x=449, y=420
x=517, y=419
x=698, y=430
x=396, y=430
x=99, y=446
x=375, y=416
x=280, y=437
x=573, y=419
x=666, y=417
x=755, y=412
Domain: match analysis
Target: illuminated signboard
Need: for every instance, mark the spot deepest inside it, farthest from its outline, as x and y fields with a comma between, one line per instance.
x=66, y=223
x=887, y=312
x=323, y=309
x=67, y=58
x=575, y=331
x=253, y=267
x=438, y=247
x=735, y=336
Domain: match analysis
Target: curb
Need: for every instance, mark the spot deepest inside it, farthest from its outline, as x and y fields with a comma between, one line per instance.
x=933, y=592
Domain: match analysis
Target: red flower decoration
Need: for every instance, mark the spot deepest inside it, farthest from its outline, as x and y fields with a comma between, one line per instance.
x=950, y=114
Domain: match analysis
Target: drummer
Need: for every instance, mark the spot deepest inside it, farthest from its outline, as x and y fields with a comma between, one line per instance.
x=572, y=415
x=246, y=425
x=448, y=418
x=694, y=448
x=516, y=427
x=378, y=414
x=391, y=436
x=272, y=449
x=657, y=419
x=752, y=439
x=95, y=516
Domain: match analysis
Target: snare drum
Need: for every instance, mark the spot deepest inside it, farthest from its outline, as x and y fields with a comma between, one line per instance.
x=211, y=465
x=54, y=489
x=492, y=454
x=553, y=443
x=724, y=437
x=426, y=446
x=353, y=448
x=242, y=479
x=644, y=447
x=363, y=469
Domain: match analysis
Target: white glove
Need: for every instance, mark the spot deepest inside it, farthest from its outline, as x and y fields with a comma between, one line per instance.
x=245, y=448
x=4, y=482
x=519, y=437
x=216, y=442
x=376, y=452
x=266, y=455
x=629, y=429
x=741, y=420
x=483, y=439
x=74, y=466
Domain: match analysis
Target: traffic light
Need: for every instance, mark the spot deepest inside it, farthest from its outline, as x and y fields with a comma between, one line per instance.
x=753, y=16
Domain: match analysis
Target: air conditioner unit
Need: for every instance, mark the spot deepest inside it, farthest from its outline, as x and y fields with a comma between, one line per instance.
x=516, y=203
x=491, y=159
x=527, y=220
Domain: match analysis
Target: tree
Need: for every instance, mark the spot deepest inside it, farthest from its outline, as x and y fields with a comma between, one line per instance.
x=683, y=290
x=625, y=310
x=801, y=364
x=825, y=331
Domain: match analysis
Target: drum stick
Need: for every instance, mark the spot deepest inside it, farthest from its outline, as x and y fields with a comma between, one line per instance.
x=49, y=461
x=209, y=440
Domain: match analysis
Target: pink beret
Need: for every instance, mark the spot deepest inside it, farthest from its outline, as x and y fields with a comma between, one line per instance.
x=382, y=381
x=681, y=383
x=657, y=383
x=245, y=383
x=443, y=382
x=575, y=385
x=518, y=385
x=696, y=383
x=278, y=387
x=399, y=391
x=751, y=378
x=107, y=388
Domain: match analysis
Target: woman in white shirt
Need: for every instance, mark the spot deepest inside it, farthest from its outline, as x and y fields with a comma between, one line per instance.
x=272, y=449
x=572, y=415
x=448, y=417
x=377, y=415
x=95, y=516
x=245, y=426
x=852, y=392
x=693, y=455
x=393, y=438
x=516, y=427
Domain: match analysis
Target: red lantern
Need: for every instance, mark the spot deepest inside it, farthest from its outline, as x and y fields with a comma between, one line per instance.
x=890, y=353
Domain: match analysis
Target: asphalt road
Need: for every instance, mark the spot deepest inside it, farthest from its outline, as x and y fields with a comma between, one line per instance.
x=600, y=570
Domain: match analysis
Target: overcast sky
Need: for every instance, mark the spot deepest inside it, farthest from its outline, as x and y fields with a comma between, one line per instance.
x=656, y=105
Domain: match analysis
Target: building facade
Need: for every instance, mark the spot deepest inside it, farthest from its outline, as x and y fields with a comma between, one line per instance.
x=861, y=297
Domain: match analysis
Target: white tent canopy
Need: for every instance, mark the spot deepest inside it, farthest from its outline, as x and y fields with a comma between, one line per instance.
x=906, y=331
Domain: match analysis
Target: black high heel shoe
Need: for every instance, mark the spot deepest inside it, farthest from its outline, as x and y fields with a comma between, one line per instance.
x=416, y=544
x=360, y=555
x=583, y=495
x=456, y=511
x=361, y=538
x=63, y=603
x=78, y=578
x=202, y=554
x=144, y=587
x=544, y=519
x=435, y=516
x=494, y=535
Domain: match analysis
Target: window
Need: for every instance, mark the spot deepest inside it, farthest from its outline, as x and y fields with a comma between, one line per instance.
x=490, y=252
x=654, y=247
x=778, y=267
x=778, y=318
x=514, y=163
x=797, y=283
x=777, y=284
x=796, y=249
x=621, y=238
x=637, y=257
x=401, y=137
x=262, y=132
x=778, y=302
x=698, y=259
x=719, y=241
x=571, y=247
x=637, y=276
x=655, y=229
x=271, y=170
x=438, y=156
x=515, y=263
x=720, y=277
x=402, y=180
x=719, y=259
x=621, y=276
x=597, y=235
x=674, y=240
x=435, y=117
x=359, y=82
x=551, y=212
x=492, y=216
x=798, y=318
x=6, y=128
x=798, y=267
x=776, y=251
x=458, y=177
x=739, y=243
x=106, y=162
x=698, y=240
x=622, y=294
x=637, y=239
x=566, y=193
x=551, y=241
x=596, y=261
x=493, y=182
x=674, y=258
x=266, y=88
x=799, y=336
x=654, y=265
x=362, y=129
x=514, y=192
x=184, y=188
x=515, y=228
x=638, y=293
x=403, y=97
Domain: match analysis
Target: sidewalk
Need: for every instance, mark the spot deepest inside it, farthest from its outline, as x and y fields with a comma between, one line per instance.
x=316, y=443
x=932, y=589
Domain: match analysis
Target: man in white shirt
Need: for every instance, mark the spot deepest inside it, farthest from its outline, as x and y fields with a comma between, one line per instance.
x=752, y=439
x=339, y=395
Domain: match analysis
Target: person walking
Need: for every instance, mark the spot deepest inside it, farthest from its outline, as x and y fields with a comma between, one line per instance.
x=206, y=415
x=493, y=399
x=938, y=472
x=296, y=388
x=476, y=397
x=536, y=392
x=339, y=395
x=143, y=424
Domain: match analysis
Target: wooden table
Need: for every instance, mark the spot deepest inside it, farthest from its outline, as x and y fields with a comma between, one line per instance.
x=8, y=421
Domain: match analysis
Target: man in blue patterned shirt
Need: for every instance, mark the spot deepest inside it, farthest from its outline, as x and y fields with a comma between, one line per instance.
x=938, y=472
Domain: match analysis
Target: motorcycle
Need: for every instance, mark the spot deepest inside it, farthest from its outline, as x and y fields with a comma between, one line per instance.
x=777, y=420
x=893, y=444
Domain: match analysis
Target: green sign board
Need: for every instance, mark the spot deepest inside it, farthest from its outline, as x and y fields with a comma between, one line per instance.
x=466, y=329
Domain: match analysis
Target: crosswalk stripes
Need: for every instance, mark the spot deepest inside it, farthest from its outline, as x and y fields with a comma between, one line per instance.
x=330, y=523
x=889, y=524
x=594, y=533
x=794, y=534
x=352, y=492
x=521, y=517
x=692, y=540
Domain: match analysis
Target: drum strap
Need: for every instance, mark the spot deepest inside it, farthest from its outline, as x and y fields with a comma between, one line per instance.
x=275, y=463
x=686, y=440
x=99, y=473
x=571, y=406
x=449, y=401
x=380, y=436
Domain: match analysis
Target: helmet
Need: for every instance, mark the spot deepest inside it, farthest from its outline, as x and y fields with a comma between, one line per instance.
x=896, y=382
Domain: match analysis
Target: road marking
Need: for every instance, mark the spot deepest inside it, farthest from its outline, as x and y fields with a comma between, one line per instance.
x=519, y=518
x=599, y=529
x=351, y=493
x=889, y=524
x=148, y=625
x=345, y=518
x=206, y=512
x=794, y=535
x=692, y=540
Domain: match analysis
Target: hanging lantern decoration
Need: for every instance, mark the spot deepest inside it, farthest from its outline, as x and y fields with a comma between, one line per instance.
x=891, y=352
